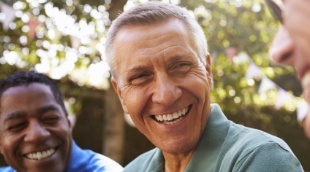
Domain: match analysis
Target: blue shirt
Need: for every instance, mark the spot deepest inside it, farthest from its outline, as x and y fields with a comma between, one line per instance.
x=228, y=147
x=85, y=161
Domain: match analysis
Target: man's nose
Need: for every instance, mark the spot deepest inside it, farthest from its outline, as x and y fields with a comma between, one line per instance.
x=36, y=133
x=282, y=49
x=166, y=91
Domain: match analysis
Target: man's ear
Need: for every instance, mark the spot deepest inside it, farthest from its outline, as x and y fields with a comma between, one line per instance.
x=209, y=69
x=118, y=91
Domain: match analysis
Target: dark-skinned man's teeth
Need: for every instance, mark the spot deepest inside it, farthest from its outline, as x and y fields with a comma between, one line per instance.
x=40, y=155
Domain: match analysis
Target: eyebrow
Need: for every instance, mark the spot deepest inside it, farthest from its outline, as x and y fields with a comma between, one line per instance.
x=138, y=69
x=47, y=108
x=177, y=57
x=20, y=114
x=14, y=115
x=143, y=68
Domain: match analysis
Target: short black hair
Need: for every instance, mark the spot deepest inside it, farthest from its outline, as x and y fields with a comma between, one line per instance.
x=21, y=78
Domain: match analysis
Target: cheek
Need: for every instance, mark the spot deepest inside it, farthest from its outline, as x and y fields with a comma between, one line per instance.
x=10, y=141
x=66, y=131
x=199, y=84
x=134, y=104
x=63, y=130
x=8, y=148
x=301, y=56
x=135, y=101
x=200, y=89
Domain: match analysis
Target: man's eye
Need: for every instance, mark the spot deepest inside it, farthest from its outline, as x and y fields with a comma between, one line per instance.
x=181, y=67
x=51, y=120
x=16, y=127
x=140, y=78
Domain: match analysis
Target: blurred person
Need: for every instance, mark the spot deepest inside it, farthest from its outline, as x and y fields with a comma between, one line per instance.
x=161, y=71
x=291, y=46
x=35, y=132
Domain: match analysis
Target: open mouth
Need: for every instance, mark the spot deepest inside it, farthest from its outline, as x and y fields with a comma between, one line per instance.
x=41, y=155
x=172, y=117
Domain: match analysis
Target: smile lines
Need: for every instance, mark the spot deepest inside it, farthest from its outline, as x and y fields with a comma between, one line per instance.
x=171, y=117
x=40, y=155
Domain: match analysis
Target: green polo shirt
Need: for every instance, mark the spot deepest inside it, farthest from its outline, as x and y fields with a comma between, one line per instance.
x=228, y=147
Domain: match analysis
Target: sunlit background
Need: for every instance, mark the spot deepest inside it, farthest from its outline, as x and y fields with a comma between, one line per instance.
x=65, y=39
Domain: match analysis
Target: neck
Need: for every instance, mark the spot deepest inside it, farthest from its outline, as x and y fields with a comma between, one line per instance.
x=176, y=163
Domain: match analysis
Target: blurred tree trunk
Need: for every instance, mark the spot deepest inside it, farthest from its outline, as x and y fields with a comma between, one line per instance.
x=114, y=124
x=113, y=127
x=115, y=8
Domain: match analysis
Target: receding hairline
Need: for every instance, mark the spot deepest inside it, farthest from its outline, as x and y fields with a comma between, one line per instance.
x=152, y=13
x=122, y=32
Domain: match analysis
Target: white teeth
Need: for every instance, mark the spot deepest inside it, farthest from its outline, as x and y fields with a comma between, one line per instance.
x=171, y=117
x=40, y=155
x=165, y=117
x=175, y=115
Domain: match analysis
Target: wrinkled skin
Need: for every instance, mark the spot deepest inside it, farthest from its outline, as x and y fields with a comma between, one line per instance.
x=158, y=72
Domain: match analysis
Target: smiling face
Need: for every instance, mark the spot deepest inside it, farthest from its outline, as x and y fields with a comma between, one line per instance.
x=35, y=134
x=285, y=51
x=162, y=84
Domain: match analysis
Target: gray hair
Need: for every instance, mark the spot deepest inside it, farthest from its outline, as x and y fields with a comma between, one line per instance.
x=150, y=13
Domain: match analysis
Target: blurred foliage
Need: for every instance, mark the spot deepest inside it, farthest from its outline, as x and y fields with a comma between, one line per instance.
x=241, y=25
x=68, y=40
x=247, y=28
